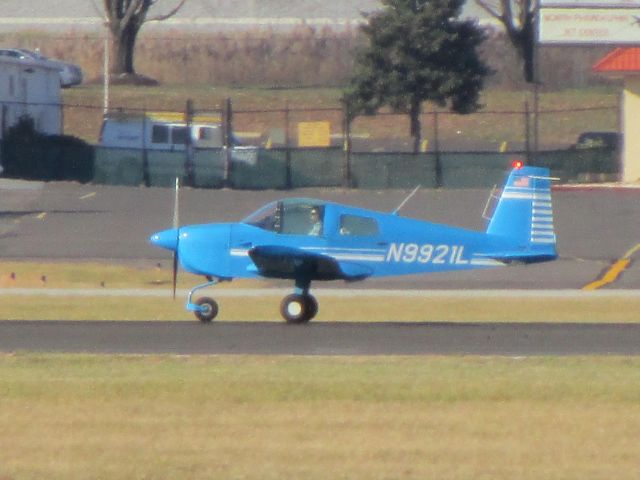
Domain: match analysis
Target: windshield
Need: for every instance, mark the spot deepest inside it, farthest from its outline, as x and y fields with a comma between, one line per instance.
x=290, y=216
x=266, y=218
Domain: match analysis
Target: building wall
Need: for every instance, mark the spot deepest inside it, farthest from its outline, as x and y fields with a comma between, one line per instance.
x=631, y=130
x=30, y=88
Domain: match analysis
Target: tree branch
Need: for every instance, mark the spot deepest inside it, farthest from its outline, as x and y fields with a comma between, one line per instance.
x=490, y=8
x=132, y=9
x=160, y=18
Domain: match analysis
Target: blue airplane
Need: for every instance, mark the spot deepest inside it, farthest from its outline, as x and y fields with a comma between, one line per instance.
x=305, y=240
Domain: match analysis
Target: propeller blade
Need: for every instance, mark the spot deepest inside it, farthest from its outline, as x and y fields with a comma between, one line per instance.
x=175, y=273
x=176, y=226
x=176, y=205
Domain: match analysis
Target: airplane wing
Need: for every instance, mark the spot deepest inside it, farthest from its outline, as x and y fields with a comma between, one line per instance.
x=290, y=262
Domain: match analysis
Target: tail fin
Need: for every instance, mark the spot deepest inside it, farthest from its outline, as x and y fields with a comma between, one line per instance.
x=524, y=215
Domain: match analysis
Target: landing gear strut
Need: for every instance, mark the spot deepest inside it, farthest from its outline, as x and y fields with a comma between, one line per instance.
x=205, y=308
x=299, y=307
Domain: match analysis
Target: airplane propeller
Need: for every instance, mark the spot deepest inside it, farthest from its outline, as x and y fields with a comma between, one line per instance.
x=176, y=227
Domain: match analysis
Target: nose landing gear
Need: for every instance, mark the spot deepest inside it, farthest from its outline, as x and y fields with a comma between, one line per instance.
x=204, y=308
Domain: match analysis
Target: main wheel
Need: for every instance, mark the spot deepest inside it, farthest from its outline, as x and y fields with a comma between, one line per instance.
x=297, y=308
x=209, y=309
x=312, y=307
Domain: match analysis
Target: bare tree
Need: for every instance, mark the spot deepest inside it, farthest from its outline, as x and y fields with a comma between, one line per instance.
x=518, y=18
x=124, y=18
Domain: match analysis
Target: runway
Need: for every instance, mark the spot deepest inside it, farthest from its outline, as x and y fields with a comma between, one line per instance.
x=335, y=339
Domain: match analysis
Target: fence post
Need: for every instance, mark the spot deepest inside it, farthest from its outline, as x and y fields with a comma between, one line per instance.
x=527, y=142
x=287, y=145
x=346, y=139
x=228, y=143
x=436, y=141
x=188, y=162
x=536, y=108
x=146, y=178
x=3, y=121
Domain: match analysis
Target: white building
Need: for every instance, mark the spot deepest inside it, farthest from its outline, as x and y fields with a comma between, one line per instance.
x=30, y=88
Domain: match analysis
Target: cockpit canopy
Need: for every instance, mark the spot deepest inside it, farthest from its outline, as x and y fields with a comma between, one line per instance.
x=292, y=216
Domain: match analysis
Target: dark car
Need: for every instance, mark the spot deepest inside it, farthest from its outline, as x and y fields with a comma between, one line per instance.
x=608, y=140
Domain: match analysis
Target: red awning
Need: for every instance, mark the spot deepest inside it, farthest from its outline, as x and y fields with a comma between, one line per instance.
x=621, y=60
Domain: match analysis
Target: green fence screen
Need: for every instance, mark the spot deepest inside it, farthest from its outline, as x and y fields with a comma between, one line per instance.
x=293, y=168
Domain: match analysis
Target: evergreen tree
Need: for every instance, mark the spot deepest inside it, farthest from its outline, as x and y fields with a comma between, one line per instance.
x=418, y=50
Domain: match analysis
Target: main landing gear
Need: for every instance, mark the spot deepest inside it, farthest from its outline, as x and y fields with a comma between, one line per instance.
x=299, y=307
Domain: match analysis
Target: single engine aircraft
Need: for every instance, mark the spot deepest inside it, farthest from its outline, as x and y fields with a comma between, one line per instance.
x=306, y=240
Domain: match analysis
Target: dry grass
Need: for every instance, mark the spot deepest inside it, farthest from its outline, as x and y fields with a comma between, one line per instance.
x=433, y=308
x=79, y=417
x=261, y=112
x=358, y=309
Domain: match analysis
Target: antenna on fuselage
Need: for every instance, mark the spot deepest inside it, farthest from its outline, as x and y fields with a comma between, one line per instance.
x=408, y=197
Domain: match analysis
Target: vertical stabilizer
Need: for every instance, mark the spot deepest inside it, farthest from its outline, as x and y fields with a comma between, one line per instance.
x=524, y=213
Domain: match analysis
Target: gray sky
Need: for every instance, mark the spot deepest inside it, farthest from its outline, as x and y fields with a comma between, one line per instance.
x=210, y=13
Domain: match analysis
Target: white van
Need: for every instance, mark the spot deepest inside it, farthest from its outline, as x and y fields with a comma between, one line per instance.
x=142, y=132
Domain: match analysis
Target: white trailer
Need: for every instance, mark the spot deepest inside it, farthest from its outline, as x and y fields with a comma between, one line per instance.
x=32, y=88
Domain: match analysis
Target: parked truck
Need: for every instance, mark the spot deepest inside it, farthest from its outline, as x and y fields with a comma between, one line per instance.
x=160, y=132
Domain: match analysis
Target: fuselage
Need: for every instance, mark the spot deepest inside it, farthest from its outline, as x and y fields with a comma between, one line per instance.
x=380, y=243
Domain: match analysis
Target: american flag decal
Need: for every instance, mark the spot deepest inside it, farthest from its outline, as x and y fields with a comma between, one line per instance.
x=521, y=182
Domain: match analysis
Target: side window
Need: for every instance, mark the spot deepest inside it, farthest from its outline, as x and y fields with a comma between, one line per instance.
x=160, y=134
x=352, y=225
x=210, y=136
x=205, y=133
x=179, y=135
x=302, y=219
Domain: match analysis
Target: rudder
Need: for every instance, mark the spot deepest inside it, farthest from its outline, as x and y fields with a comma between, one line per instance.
x=524, y=213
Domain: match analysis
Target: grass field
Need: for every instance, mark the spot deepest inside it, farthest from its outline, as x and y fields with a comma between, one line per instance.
x=562, y=118
x=160, y=417
x=108, y=280
x=78, y=417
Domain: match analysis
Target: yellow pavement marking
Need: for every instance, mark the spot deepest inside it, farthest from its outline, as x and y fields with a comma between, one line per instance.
x=41, y=215
x=612, y=274
x=88, y=195
x=630, y=253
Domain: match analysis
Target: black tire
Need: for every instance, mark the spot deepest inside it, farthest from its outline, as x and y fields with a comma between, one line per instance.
x=312, y=307
x=294, y=308
x=210, y=309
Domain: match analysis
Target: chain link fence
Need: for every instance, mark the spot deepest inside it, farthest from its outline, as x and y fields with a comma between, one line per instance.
x=284, y=148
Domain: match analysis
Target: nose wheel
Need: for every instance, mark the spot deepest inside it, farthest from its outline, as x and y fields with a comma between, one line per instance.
x=208, y=309
x=297, y=308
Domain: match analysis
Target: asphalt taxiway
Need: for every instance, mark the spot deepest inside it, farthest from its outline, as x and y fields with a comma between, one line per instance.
x=336, y=338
